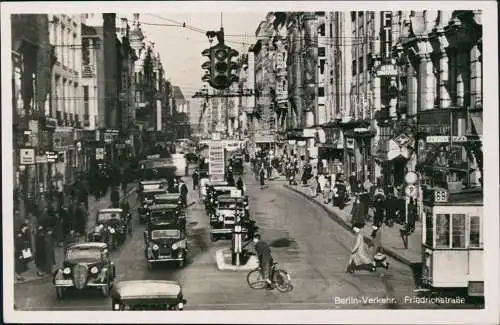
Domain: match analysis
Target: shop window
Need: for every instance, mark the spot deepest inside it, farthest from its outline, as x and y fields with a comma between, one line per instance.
x=475, y=228
x=442, y=231
x=429, y=228
x=458, y=231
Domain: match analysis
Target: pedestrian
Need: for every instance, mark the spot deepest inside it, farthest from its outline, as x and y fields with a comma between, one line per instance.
x=230, y=177
x=379, y=259
x=183, y=191
x=412, y=214
x=357, y=216
x=262, y=176
x=359, y=255
x=240, y=186
x=22, y=254
x=313, y=185
x=59, y=233
x=115, y=197
x=50, y=259
x=327, y=190
x=196, y=179
x=40, y=252
x=379, y=210
x=321, y=182
x=353, y=182
x=269, y=168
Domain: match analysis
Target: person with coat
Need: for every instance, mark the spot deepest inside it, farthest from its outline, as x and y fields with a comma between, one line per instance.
x=196, y=179
x=262, y=176
x=379, y=213
x=313, y=185
x=359, y=255
x=327, y=190
x=357, y=216
x=50, y=257
x=40, y=251
x=240, y=186
x=184, y=192
x=21, y=264
x=230, y=177
x=353, y=182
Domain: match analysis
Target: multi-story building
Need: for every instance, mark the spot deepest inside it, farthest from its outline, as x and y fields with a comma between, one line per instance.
x=32, y=61
x=67, y=107
x=438, y=54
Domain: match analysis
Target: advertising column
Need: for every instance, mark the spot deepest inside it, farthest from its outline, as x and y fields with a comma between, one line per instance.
x=216, y=160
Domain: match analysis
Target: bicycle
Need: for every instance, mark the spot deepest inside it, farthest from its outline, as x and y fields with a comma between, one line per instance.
x=280, y=279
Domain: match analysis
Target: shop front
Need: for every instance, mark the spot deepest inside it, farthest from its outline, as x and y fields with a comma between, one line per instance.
x=400, y=160
x=331, y=152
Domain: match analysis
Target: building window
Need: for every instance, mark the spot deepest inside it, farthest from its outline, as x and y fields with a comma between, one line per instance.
x=354, y=67
x=361, y=67
x=322, y=64
x=284, y=85
x=331, y=30
x=86, y=104
x=353, y=15
x=85, y=51
x=321, y=91
x=458, y=231
x=321, y=51
x=442, y=231
x=321, y=30
x=475, y=226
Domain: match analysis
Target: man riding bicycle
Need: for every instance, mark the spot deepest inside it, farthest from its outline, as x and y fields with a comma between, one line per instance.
x=265, y=259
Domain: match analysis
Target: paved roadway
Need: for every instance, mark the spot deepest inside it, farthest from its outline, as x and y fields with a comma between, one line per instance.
x=312, y=247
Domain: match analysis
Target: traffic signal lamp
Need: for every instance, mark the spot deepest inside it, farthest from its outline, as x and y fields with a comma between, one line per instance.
x=220, y=67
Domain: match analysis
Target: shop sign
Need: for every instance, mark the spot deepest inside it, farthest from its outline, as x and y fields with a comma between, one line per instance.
x=395, y=150
x=41, y=159
x=51, y=156
x=99, y=153
x=27, y=156
x=291, y=142
x=216, y=159
x=232, y=145
x=386, y=34
x=63, y=139
x=349, y=143
x=445, y=139
x=387, y=70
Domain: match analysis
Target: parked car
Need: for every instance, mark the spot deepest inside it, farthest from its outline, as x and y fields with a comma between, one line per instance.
x=85, y=265
x=147, y=199
x=229, y=211
x=166, y=213
x=147, y=295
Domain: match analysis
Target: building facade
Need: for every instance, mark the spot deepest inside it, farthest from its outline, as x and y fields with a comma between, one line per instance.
x=32, y=60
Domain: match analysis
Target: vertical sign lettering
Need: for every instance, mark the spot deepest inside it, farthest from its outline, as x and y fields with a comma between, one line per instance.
x=385, y=34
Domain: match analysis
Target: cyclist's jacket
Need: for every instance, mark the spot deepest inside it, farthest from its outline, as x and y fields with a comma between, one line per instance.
x=263, y=251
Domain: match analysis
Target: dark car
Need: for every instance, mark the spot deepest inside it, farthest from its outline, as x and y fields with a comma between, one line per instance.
x=85, y=265
x=166, y=213
x=147, y=199
x=169, y=198
x=237, y=164
x=111, y=227
x=228, y=212
x=147, y=295
x=165, y=242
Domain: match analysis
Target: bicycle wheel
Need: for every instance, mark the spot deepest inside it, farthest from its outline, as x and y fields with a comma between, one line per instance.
x=255, y=279
x=282, y=280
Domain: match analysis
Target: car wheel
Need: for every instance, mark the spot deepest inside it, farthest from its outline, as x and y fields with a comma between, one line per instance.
x=181, y=264
x=59, y=292
x=213, y=238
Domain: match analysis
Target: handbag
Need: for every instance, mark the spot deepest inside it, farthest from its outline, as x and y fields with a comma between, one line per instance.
x=27, y=253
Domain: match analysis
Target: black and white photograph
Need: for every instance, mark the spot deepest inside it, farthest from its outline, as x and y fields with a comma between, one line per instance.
x=262, y=162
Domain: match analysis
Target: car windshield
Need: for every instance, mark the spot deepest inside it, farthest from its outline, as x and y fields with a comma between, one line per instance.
x=106, y=216
x=166, y=200
x=165, y=233
x=83, y=254
x=227, y=205
x=150, y=187
x=163, y=213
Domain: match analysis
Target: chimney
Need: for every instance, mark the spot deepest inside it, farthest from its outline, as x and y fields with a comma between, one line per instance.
x=123, y=29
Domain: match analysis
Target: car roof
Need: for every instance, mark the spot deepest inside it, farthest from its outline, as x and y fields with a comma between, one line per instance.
x=88, y=245
x=229, y=198
x=168, y=195
x=156, y=181
x=117, y=210
x=141, y=289
x=163, y=206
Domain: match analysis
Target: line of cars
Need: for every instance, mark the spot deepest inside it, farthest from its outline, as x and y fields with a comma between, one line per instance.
x=226, y=208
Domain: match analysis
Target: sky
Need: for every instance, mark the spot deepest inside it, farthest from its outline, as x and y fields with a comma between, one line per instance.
x=180, y=48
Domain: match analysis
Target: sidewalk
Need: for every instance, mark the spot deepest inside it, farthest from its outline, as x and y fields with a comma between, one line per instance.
x=392, y=244
x=94, y=206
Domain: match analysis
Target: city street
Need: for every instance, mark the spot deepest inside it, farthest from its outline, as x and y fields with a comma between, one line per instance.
x=312, y=247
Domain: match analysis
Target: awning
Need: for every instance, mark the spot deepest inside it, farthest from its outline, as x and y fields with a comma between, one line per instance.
x=477, y=122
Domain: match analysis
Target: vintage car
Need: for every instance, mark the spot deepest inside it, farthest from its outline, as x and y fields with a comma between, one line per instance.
x=167, y=213
x=214, y=190
x=165, y=242
x=85, y=265
x=237, y=164
x=229, y=210
x=147, y=295
x=111, y=226
x=147, y=199
x=169, y=198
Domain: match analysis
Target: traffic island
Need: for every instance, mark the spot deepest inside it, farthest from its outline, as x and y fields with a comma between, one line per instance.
x=223, y=258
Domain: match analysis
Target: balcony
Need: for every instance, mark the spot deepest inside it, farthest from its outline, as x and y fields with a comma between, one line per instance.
x=87, y=71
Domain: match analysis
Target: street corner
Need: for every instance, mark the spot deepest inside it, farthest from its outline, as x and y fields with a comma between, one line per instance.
x=223, y=258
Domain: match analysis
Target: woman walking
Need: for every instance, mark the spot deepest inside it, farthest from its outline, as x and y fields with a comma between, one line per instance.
x=262, y=175
x=359, y=256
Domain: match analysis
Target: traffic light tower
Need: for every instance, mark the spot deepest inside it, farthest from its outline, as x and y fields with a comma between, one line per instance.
x=220, y=68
